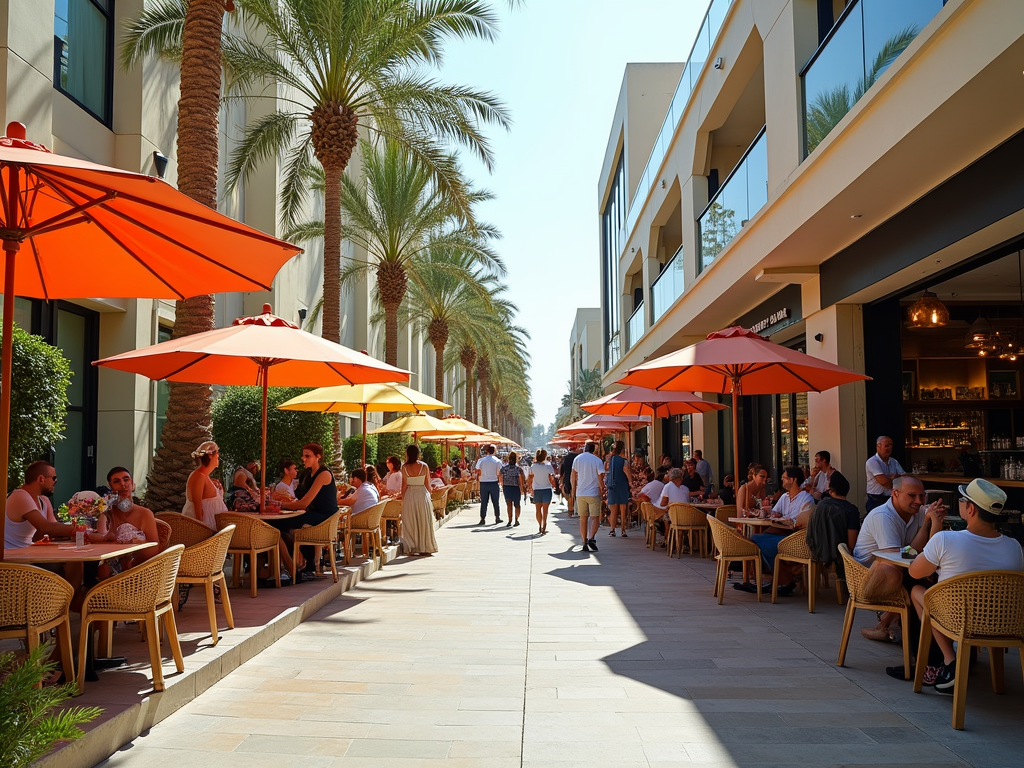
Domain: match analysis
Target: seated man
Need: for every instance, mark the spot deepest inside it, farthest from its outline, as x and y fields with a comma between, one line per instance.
x=899, y=522
x=125, y=522
x=953, y=553
x=674, y=492
x=792, y=512
x=834, y=521
x=365, y=495
x=29, y=511
x=691, y=479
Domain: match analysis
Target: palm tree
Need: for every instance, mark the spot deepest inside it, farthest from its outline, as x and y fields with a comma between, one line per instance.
x=189, y=31
x=355, y=64
x=447, y=289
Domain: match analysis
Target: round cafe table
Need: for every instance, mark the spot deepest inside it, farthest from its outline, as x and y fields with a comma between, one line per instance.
x=896, y=558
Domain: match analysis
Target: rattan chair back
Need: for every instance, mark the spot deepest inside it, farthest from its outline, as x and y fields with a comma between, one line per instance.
x=684, y=515
x=207, y=557
x=139, y=589
x=392, y=509
x=724, y=512
x=185, y=530
x=250, y=532
x=856, y=574
x=31, y=597
x=728, y=542
x=163, y=533
x=794, y=546
x=368, y=518
x=323, y=534
x=984, y=604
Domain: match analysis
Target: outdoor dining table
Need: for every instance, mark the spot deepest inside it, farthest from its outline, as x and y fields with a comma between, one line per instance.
x=68, y=552
x=896, y=558
x=284, y=514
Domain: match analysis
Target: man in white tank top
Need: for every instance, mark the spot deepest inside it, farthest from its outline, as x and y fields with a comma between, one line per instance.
x=29, y=509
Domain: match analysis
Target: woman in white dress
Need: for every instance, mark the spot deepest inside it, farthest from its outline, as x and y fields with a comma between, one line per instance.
x=417, y=511
x=200, y=486
x=393, y=479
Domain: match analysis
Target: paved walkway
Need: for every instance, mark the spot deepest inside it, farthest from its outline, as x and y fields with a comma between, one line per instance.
x=507, y=649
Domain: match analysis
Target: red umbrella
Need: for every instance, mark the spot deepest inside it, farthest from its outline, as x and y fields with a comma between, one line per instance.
x=739, y=361
x=265, y=350
x=79, y=229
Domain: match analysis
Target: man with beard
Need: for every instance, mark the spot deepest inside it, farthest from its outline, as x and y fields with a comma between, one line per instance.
x=29, y=510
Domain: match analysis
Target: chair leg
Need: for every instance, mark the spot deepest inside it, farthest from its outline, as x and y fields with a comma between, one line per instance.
x=775, y=581
x=236, y=569
x=334, y=562
x=275, y=566
x=963, y=662
x=922, y=651
x=380, y=548
x=154, y=652
x=995, y=660
x=757, y=577
x=720, y=580
x=252, y=572
x=295, y=557
x=344, y=548
x=83, y=645
x=172, y=639
x=211, y=609
x=226, y=601
x=812, y=583
x=906, y=644
x=66, y=650
x=847, y=626
x=107, y=638
x=32, y=642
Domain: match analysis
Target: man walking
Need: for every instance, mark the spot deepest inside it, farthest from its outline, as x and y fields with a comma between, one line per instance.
x=565, y=479
x=588, y=488
x=487, y=471
x=881, y=470
x=703, y=468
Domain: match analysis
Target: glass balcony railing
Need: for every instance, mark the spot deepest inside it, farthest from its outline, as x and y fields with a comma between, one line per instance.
x=869, y=37
x=737, y=200
x=713, y=20
x=667, y=287
x=635, y=326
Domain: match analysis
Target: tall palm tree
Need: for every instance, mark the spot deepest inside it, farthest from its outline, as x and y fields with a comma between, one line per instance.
x=447, y=288
x=351, y=65
x=190, y=31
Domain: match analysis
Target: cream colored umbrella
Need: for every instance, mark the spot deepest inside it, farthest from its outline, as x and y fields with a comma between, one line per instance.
x=363, y=398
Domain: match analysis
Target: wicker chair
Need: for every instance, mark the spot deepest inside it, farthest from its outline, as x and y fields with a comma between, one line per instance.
x=456, y=492
x=439, y=501
x=898, y=602
x=163, y=532
x=185, y=530
x=984, y=609
x=651, y=515
x=392, y=514
x=794, y=549
x=474, y=490
x=145, y=593
x=731, y=546
x=723, y=513
x=685, y=519
x=35, y=601
x=323, y=534
x=252, y=537
x=367, y=524
x=203, y=563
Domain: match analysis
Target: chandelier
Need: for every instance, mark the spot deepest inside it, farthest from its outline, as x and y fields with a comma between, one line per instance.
x=927, y=312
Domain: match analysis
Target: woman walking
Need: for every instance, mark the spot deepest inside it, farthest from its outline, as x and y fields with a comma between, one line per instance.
x=417, y=511
x=618, y=480
x=513, y=483
x=542, y=481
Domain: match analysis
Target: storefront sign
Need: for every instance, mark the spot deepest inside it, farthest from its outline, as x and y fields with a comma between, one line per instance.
x=772, y=319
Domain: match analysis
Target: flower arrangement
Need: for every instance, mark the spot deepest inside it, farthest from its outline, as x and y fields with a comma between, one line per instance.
x=87, y=504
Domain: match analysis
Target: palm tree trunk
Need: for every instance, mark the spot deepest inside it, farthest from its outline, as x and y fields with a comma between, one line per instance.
x=332, y=253
x=189, y=405
x=437, y=331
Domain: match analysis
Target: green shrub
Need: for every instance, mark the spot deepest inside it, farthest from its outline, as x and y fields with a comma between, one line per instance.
x=352, y=451
x=431, y=454
x=454, y=455
x=392, y=445
x=28, y=727
x=237, y=423
x=41, y=376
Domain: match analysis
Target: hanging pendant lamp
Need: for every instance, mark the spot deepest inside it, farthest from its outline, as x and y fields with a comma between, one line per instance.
x=927, y=312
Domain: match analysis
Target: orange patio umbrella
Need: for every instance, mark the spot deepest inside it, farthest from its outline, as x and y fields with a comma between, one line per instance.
x=266, y=351
x=739, y=361
x=75, y=229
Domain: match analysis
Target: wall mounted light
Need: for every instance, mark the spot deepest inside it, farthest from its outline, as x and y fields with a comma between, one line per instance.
x=302, y=314
x=719, y=63
x=819, y=337
x=159, y=163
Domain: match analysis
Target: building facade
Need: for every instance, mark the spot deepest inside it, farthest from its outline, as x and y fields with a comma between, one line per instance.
x=819, y=164
x=60, y=78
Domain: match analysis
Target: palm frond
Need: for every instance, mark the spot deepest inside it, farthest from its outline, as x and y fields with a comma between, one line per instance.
x=157, y=31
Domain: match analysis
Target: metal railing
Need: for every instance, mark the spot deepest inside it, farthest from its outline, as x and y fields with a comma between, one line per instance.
x=635, y=326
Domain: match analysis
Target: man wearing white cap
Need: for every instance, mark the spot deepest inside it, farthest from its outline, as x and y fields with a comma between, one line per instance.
x=953, y=553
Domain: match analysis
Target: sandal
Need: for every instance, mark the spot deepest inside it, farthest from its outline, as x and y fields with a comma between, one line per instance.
x=612, y=533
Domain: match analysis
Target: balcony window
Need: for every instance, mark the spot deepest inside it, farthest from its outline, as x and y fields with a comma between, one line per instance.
x=737, y=200
x=635, y=325
x=612, y=220
x=83, y=64
x=868, y=38
x=667, y=287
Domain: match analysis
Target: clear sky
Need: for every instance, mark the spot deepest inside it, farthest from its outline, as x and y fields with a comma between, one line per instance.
x=558, y=65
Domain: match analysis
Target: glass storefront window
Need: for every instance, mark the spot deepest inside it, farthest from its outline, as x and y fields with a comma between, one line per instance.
x=82, y=53
x=163, y=393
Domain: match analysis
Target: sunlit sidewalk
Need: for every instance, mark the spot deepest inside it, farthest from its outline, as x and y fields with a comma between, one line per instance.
x=509, y=649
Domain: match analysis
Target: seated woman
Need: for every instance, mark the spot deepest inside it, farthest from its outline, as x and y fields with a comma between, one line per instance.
x=374, y=479
x=126, y=523
x=393, y=479
x=318, y=495
x=244, y=493
x=200, y=486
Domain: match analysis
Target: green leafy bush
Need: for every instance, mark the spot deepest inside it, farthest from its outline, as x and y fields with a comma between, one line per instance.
x=352, y=451
x=41, y=376
x=237, y=423
x=431, y=454
x=392, y=445
x=28, y=727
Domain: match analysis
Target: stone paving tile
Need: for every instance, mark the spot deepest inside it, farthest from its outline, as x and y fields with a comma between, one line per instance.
x=514, y=650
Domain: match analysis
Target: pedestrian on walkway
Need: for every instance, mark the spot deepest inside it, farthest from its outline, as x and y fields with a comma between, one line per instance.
x=541, y=482
x=513, y=485
x=618, y=481
x=588, y=488
x=417, y=509
x=565, y=473
x=487, y=468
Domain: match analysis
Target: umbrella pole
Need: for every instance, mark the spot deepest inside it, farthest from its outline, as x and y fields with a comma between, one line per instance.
x=363, y=406
x=11, y=248
x=265, y=373
x=735, y=434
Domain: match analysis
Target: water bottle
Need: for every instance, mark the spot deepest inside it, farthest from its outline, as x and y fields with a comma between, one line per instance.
x=79, y=534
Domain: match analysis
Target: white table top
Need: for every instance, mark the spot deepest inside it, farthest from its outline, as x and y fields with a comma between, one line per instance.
x=67, y=552
x=284, y=514
x=895, y=558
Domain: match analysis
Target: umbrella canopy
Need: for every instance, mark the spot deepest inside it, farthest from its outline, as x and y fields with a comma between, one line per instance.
x=419, y=424
x=596, y=424
x=363, y=398
x=739, y=361
x=79, y=229
x=264, y=350
x=637, y=401
x=467, y=426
